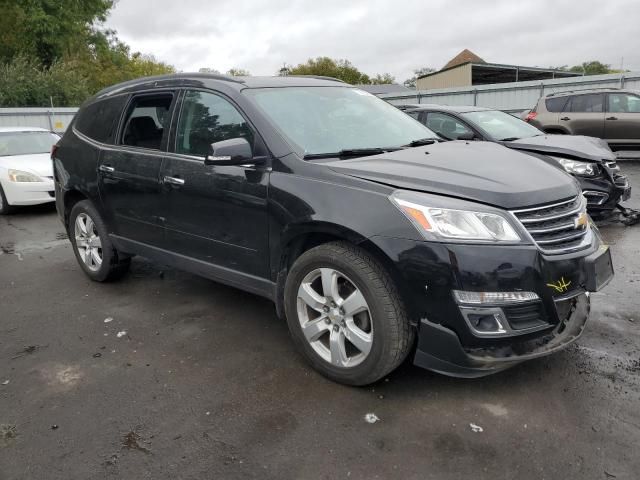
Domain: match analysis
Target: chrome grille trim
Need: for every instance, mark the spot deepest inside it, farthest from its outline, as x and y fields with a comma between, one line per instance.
x=554, y=227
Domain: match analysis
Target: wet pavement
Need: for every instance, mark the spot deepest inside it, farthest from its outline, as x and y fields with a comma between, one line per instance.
x=167, y=375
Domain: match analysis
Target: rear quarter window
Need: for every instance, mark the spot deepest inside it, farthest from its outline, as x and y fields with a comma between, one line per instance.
x=99, y=120
x=556, y=104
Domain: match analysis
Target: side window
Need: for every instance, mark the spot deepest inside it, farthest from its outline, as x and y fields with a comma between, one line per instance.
x=586, y=103
x=446, y=125
x=207, y=118
x=99, y=120
x=555, y=104
x=147, y=120
x=623, y=103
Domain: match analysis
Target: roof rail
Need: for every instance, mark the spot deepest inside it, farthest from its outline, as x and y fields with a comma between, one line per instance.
x=582, y=90
x=319, y=77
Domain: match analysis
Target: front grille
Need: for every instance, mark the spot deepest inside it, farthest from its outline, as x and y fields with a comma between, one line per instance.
x=556, y=228
x=522, y=317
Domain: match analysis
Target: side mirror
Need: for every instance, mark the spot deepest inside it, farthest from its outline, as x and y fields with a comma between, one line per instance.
x=467, y=136
x=235, y=151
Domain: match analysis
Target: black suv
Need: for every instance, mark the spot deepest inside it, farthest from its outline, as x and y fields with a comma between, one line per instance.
x=373, y=239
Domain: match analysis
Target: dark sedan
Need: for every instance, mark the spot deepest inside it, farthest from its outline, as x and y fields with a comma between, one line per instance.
x=589, y=159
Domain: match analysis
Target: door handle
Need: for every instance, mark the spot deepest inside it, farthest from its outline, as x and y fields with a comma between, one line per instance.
x=565, y=118
x=611, y=118
x=173, y=181
x=106, y=169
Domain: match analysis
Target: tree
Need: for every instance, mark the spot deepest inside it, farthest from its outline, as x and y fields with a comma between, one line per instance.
x=385, y=78
x=593, y=67
x=238, y=72
x=328, y=67
x=418, y=72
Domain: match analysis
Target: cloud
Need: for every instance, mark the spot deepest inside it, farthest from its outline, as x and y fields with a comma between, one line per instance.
x=378, y=36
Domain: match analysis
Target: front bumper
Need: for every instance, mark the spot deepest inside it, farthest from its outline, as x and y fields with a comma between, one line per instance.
x=605, y=192
x=428, y=272
x=29, y=193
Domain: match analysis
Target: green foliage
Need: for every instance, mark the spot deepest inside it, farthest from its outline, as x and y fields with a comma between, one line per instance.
x=23, y=83
x=238, y=72
x=328, y=67
x=385, y=78
x=55, y=48
x=592, y=67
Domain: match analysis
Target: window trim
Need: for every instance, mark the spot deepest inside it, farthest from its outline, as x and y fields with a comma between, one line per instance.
x=125, y=114
x=172, y=142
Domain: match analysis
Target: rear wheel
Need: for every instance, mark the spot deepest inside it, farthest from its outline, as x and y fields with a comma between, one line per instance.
x=91, y=244
x=345, y=314
x=5, y=208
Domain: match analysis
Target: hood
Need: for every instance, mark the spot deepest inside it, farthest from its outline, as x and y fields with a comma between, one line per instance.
x=578, y=146
x=38, y=163
x=483, y=172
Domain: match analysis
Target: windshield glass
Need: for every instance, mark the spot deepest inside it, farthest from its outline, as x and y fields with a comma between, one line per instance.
x=26, y=143
x=330, y=119
x=501, y=125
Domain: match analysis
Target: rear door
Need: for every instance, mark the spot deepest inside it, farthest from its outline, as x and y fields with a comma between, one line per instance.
x=129, y=172
x=584, y=115
x=622, y=120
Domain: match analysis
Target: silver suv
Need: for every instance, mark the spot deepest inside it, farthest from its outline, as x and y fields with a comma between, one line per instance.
x=611, y=114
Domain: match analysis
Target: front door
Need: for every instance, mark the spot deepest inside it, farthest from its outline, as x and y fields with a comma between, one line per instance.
x=622, y=120
x=215, y=214
x=129, y=172
x=584, y=115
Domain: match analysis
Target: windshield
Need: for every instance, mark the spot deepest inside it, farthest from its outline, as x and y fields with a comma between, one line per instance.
x=502, y=126
x=321, y=120
x=26, y=143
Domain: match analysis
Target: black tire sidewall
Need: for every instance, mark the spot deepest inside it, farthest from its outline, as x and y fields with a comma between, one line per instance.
x=365, y=372
x=6, y=208
x=109, y=255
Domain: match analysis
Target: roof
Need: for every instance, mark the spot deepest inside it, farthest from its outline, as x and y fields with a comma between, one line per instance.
x=446, y=108
x=590, y=90
x=239, y=82
x=383, y=88
x=465, y=56
x=22, y=129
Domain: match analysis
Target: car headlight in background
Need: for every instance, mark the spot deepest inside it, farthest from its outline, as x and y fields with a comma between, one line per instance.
x=20, y=176
x=446, y=223
x=585, y=169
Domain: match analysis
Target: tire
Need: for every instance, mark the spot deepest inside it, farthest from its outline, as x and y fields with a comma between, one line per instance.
x=5, y=208
x=92, y=242
x=323, y=332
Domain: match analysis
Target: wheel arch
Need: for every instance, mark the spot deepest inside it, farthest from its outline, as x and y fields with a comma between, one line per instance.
x=305, y=237
x=70, y=199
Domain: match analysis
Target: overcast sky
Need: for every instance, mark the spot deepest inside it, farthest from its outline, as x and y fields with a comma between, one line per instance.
x=379, y=36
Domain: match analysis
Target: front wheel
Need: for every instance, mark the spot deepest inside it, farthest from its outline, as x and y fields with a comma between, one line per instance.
x=345, y=314
x=5, y=208
x=94, y=251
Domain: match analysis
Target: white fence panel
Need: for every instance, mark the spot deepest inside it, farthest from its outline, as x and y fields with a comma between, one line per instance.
x=56, y=120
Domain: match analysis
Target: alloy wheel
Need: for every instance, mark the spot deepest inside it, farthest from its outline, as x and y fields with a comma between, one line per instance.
x=334, y=317
x=88, y=243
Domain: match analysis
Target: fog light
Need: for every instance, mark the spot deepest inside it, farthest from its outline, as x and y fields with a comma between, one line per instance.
x=486, y=322
x=493, y=298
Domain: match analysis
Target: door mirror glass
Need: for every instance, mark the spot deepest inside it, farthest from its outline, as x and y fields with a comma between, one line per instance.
x=467, y=136
x=234, y=151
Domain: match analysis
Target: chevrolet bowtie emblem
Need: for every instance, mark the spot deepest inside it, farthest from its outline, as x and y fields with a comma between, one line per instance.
x=560, y=286
x=582, y=221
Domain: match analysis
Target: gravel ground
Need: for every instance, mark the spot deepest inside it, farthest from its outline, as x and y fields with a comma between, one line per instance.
x=167, y=375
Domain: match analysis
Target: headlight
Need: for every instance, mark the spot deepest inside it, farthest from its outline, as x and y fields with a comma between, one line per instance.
x=446, y=223
x=20, y=176
x=575, y=167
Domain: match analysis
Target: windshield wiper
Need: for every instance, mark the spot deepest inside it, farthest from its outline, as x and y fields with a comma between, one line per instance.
x=422, y=141
x=509, y=139
x=350, y=152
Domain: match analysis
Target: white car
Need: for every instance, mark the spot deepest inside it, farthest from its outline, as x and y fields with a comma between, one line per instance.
x=26, y=171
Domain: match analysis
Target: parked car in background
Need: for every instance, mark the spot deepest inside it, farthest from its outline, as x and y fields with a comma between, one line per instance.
x=368, y=234
x=589, y=159
x=26, y=174
x=608, y=113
